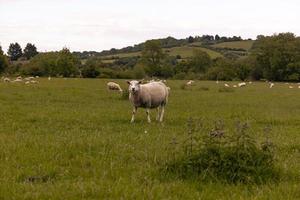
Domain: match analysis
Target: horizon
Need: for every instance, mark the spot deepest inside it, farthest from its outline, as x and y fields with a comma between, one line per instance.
x=101, y=25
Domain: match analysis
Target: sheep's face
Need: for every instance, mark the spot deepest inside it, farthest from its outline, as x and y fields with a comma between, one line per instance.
x=134, y=86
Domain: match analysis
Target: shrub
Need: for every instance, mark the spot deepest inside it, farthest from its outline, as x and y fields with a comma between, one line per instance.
x=214, y=156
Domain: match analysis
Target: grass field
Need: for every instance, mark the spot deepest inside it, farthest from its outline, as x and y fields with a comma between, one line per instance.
x=184, y=52
x=236, y=45
x=71, y=139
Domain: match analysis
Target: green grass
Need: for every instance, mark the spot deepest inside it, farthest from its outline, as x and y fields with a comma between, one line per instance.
x=72, y=139
x=246, y=45
x=184, y=52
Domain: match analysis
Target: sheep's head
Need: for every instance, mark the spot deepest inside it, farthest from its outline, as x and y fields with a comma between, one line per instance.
x=134, y=86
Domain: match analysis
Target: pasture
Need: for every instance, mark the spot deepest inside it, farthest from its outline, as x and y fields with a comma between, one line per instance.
x=72, y=139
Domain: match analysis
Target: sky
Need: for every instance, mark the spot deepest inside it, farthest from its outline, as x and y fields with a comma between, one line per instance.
x=104, y=24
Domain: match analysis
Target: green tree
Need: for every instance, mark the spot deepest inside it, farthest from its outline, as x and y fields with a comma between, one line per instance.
x=91, y=69
x=3, y=61
x=275, y=53
x=200, y=61
x=30, y=51
x=66, y=63
x=152, y=56
x=14, y=51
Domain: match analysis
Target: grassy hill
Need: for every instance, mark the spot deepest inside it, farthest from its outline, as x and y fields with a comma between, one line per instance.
x=183, y=51
x=246, y=45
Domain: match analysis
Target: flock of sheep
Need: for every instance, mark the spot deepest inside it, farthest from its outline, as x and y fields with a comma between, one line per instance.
x=155, y=93
x=20, y=79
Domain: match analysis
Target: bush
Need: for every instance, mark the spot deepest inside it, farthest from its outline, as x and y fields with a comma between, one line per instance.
x=235, y=158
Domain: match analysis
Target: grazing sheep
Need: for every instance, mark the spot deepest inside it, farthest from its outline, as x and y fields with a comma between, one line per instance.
x=234, y=86
x=114, y=86
x=7, y=80
x=34, y=82
x=189, y=83
x=272, y=85
x=17, y=80
x=49, y=78
x=250, y=82
x=243, y=84
x=299, y=86
x=149, y=95
x=27, y=82
x=217, y=82
x=226, y=85
x=291, y=87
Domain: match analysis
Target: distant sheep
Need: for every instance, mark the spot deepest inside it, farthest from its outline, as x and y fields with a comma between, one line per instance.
x=149, y=95
x=226, y=85
x=272, y=85
x=190, y=82
x=114, y=86
x=291, y=87
x=7, y=80
x=234, y=86
x=243, y=84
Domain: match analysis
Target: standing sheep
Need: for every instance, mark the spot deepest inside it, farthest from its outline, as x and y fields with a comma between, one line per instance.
x=149, y=95
x=114, y=86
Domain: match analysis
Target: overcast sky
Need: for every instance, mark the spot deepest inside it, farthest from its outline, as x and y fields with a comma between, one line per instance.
x=104, y=24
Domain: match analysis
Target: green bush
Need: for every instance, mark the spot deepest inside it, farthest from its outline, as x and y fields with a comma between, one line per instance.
x=214, y=156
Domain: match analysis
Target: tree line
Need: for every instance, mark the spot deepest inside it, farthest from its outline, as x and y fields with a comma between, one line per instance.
x=275, y=58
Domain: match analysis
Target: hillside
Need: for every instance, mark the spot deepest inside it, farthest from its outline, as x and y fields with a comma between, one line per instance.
x=246, y=45
x=184, y=52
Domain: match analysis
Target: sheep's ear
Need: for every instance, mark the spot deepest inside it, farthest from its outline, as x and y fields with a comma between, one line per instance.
x=141, y=81
x=128, y=82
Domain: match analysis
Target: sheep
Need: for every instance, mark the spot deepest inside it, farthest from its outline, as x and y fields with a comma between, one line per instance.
x=250, y=82
x=226, y=85
x=291, y=87
x=234, y=86
x=299, y=86
x=272, y=85
x=149, y=95
x=49, y=78
x=189, y=83
x=6, y=80
x=27, y=82
x=33, y=81
x=114, y=86
x=243, y=84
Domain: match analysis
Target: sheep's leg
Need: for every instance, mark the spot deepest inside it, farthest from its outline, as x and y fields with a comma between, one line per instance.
x=133, y=114
x=158, y=113
x=162, y=113
x=148, y=115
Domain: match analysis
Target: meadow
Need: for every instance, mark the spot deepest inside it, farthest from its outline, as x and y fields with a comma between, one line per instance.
x=72, y=139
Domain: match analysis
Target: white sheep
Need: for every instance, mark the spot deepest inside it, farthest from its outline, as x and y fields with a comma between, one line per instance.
x=226, y=85
x=190, y=82
x=272, y=85
x=291, y=87
x=6, y=80
x=149, y=95
x=114, y=86
x=49, y=78
x=33, y=81
x=243, y=84
x=234, y=86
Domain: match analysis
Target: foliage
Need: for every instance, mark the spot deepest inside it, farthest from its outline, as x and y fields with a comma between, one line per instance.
x=14, y=51
x=3, y=61
x=91, y=69
x=236, y=158
x=30, y=51
x=276, y=54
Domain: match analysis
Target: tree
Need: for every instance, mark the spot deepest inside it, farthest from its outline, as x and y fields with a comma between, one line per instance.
x=30, y=51
x=91, y=68
x=276, y=54
x=152, y=56
x=190, y=39
x=217, y=37
x=3, y=61
x=200, y=61
x=66, y=63
x=14, y=51
x=1, y=51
